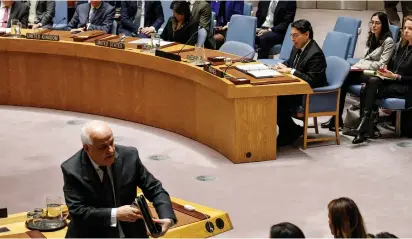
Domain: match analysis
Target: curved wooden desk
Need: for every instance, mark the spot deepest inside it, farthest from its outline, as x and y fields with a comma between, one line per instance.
x=237, y=121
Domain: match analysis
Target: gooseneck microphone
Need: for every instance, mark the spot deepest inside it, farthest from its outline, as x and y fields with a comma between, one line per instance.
x=54, y=25
x=241, y=59
x=194, y=34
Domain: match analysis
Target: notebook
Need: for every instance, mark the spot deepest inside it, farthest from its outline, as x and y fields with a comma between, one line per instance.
x=258, y=70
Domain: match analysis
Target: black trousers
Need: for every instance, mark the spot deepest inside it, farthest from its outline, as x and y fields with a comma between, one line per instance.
x=267, y=41
x=286, y=107
x=377, y=88
x=353, y=78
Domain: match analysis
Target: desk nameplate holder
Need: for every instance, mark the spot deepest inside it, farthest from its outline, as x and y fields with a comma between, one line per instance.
x=116, y=45
x=45, y=37
x=221, y=74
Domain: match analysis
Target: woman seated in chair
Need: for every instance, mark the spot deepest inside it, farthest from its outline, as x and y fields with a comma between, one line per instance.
x=397, y=81
x=378, y=52
x=181, y=27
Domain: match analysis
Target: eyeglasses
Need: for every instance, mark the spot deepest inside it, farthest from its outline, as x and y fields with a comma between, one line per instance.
x=295, y=35
x=375, y=23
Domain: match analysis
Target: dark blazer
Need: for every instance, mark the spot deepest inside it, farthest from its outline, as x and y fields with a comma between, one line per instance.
x=19, y=10
x=103, y=18
x=284, y=15
x=44, y=12
x=311, y=66
x=153, y=16
x=232, y=7
x=202, y=13
x=83, y=192
x=183, y=34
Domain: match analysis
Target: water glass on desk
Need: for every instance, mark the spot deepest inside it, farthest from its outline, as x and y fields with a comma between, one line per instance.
x=156, y=41
x=15, y=27
x=54, y=210
x=199, y=53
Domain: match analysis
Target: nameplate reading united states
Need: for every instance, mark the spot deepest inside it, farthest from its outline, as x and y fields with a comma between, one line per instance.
x=116, y=45
x=213, y=71
x=44, y=37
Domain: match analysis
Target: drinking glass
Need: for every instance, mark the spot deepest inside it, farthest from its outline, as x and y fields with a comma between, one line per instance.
x=15, y=27
x=200, y=53
x=156, y=41
x=54, y=210
x=228, y=61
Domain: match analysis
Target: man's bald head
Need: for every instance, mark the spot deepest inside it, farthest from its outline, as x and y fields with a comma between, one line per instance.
x=98, y=142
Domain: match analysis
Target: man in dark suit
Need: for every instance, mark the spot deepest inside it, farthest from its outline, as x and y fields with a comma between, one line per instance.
x=10, y=10
x=202, y=13
x=100, y=184
x=134, y=22
x=273, y=18
x=41, y=13
x=307, y=62
x=96, y=15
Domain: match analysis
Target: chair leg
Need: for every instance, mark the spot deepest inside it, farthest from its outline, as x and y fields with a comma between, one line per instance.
x=305, y=132
x=337, y=131
x=315, y=124
x=398, y=124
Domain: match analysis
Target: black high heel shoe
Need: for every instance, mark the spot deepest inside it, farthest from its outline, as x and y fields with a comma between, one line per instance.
x=363, y=126
x=331, y=124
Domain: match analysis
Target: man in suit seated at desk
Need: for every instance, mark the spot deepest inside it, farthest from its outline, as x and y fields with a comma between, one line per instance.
x=307, y=62
x=41, y=13
x=11, y=9
x=100, y=185
x=96, y=15
x=141, y=18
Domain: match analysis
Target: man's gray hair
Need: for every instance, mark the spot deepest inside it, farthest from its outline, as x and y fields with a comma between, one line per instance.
x=88, y=128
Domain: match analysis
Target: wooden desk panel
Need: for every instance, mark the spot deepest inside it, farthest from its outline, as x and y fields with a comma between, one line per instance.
x=237, y=121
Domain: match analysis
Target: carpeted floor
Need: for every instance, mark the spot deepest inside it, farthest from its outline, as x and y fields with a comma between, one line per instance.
x=297, y=187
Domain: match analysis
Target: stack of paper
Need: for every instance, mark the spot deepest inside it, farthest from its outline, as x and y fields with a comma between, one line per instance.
x=258, y=70
x=143, y=41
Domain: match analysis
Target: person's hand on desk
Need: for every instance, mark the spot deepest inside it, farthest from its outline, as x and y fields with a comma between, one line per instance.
x=77, y=30
x=128, y=214
x=282, y=68
x=165, y=223
x=35, y=26
x=147, y=30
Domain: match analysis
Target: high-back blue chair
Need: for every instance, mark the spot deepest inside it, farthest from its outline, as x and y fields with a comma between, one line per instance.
x=287, y=47
x=395, y=32
x=351, y=26
x=167, y=13
x=276, y=49
x=242, y=29
x=247, y=9
x=201, y=36
x=60, y=13
x=336, y=44
x=212, y=23
x=324, y=101
x=238, y=48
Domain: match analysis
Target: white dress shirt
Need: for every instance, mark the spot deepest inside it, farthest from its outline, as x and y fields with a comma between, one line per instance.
x=32, y=12
x=192, y=2
x=270, y=16
x=2, y=11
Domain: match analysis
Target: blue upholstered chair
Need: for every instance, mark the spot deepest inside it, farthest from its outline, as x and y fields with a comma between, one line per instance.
x=212, y=22
x=242, y=29
x=60, y=13
x=351, y=26
x=201, y=36
x=324, y=101
x=247, y=9
x=278, y=48
x=237, y=48
x=287, y=47
x=336, y=44
x=167, y=13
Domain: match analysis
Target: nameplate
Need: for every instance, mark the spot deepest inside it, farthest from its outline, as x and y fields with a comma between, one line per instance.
x=214, y=71
x=35, y=36
x=116, y=45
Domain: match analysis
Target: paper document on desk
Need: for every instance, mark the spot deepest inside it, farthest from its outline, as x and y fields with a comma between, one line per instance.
x=5, y=30
x=258, y=70
x=149, y=41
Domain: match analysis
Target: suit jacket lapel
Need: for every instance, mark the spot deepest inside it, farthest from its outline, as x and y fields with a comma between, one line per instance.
x=89, y=174
x=117, y=168
x=98, y=13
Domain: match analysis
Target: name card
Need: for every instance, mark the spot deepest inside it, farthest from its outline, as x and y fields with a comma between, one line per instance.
x=214, y=71
x=116, y=45
x=35, y=36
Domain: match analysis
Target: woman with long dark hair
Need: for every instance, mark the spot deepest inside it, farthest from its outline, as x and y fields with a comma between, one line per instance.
x=394, y=81
x=378, y=52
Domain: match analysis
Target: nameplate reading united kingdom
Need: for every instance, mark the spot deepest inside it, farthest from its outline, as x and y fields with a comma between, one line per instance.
x=116, y=45
x=213, y=71
x=44, y=37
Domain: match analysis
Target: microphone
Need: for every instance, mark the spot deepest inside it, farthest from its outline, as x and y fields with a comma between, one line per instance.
x=241, y=59
x=54, y=25
x=194, y=34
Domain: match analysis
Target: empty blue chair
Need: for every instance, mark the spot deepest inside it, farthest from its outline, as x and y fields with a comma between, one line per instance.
x=242, y=29
x=324, y=101
x=349, y=26
x=201, y=36
x=167, y=13
x=60, y=14
x=336, y=44
x=238, y=48
x=247, y=9
x=287, y=47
